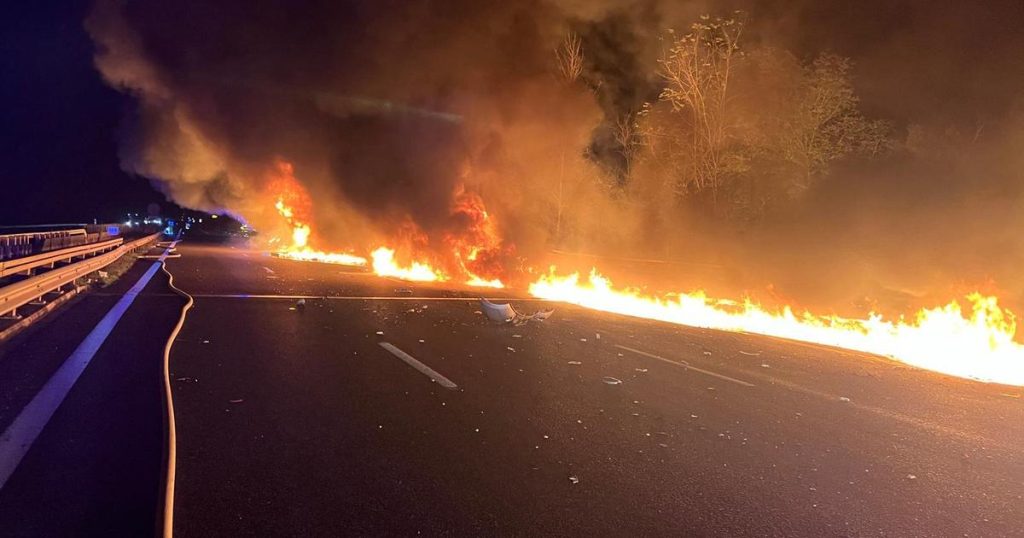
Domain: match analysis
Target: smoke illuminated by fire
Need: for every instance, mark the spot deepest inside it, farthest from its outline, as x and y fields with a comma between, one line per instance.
x=977, y=344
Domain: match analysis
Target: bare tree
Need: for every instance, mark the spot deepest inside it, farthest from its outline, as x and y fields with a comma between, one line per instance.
x=570, y=59
x=627, y=137
x=697, y=69
x=569, y=55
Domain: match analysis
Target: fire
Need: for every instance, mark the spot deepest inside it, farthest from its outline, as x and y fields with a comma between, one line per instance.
x=300, y=249
x=292, y=196
x=478, y=247
x=384, y=264
x=977, y=344
x=481, y=283
x=474, y=241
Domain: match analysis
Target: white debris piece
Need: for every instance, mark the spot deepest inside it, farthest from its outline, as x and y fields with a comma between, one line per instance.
x=575, y=363
x=609, y=380
x=497, y=312
x=507, y=314
x=843, y=399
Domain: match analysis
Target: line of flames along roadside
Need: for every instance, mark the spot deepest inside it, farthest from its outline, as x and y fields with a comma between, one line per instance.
x=976, y=342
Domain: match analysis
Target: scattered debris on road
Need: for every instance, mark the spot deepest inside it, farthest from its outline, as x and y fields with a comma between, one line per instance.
x=239, y=400
x=843, y=399
x=608, y=380
x=749, y=354
x=575, y=363
x=574, y=479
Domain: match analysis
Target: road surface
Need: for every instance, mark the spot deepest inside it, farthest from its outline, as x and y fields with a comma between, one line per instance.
x=370, y=412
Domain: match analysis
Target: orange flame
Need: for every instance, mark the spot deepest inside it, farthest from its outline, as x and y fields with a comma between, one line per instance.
x=477, y=246
x=384, y=264
x=978, y=345
x=283, y=180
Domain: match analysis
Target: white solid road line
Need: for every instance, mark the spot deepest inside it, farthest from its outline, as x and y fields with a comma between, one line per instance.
x=423, y=368
x=18, y=439
x=687, y=366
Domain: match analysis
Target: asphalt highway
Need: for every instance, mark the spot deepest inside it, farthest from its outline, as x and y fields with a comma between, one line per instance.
x=386, y=408
x=295, y=420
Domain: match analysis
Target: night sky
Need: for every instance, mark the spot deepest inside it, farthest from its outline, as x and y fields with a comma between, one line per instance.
x=58, y=123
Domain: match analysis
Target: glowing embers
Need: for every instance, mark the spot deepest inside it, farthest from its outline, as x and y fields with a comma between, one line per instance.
x=977, y=343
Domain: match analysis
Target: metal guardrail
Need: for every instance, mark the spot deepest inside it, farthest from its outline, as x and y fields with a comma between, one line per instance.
x=28, y=263
x=18, y=294
x=20, y=235
x=15, y=245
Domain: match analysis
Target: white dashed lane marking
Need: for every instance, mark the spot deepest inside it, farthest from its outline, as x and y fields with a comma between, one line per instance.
x=422, y=368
